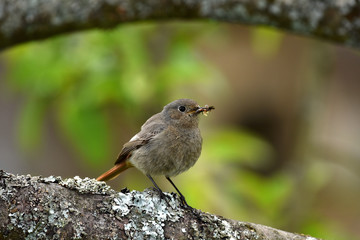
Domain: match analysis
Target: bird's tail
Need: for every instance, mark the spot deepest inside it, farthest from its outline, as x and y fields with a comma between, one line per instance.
x=114, y=171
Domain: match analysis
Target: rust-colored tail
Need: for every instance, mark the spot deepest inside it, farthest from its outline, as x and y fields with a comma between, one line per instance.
x=114, y=171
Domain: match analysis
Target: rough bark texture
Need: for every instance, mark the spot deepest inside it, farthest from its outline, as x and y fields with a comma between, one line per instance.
x=75, y=208
x=25, y=20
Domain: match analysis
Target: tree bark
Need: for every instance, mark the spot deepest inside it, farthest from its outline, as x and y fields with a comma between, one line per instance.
x=25, y=20
x=75, y=208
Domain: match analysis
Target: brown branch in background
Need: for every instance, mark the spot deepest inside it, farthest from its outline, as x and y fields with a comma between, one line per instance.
x=27, y=20
x=75, y=208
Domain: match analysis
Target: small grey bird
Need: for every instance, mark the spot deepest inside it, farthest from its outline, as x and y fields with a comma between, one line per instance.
x=168, y=144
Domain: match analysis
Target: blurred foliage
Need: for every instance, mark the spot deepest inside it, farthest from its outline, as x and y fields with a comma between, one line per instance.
x=78, y=80
x=233, y=145
x=265, y=41
x=78, y=76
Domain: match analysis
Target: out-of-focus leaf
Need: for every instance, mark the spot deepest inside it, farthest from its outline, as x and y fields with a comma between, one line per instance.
x=135, y=63
x=30, y=125
x=37, y=70
x=269, y=194
x=318, y=174
x=87, y=130
x=326, y=229
x=266, y=41
x=84, y=73
x=233, y=145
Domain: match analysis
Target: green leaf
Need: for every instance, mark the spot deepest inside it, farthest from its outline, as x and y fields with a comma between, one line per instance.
x=266, y=41
x=30, y=124
x=233, y=145
x=86, y=129
x=326, y=228
x=269, y=194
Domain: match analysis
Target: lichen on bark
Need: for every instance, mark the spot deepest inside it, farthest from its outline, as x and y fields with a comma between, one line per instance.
x=76, y=208
x=26, y=20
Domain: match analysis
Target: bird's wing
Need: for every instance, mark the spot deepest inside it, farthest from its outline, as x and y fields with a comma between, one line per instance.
x=150, y=129
x=128, y=148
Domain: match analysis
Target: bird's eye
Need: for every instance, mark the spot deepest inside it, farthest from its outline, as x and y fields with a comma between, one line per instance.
x=182, y=109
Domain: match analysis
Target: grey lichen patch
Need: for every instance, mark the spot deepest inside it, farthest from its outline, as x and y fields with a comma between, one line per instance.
x=275, y=8
x=261, y=4
x=121, y=204
x=51, y=179
x=334, y=20
x=221, y=228
x=345, y=5
x=17, y=182
x=37, y=13
x=249, y=234
x=302, y=16
x=37, y=210
x=36, y=19
x=52, y=208
x=148, y=209
x=228, y=230
x=87, y=185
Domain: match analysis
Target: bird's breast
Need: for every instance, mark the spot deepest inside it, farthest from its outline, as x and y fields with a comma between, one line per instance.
x=169, y=153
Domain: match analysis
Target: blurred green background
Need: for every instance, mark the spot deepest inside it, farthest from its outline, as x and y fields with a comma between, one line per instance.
x=281, y=148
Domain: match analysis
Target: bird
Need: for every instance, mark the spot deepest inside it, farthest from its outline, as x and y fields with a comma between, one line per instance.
x=168, y=144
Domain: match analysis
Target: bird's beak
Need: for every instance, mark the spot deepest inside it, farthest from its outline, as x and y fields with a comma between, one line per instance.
x=203, y=110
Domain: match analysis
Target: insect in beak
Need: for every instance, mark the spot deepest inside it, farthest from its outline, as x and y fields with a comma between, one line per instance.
x=204, y=110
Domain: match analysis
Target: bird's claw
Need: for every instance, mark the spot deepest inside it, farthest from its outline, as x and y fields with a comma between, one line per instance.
x=184, y=204
x=163, y=196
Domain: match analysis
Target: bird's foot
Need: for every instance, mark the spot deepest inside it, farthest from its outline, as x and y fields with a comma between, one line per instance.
x=163, y=196
x=184, y=204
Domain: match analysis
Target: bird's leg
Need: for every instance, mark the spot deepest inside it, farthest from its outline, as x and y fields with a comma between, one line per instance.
x=182, y=198
x=162, y=195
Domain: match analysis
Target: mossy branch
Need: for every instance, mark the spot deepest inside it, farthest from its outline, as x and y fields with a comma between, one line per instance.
x=75, y=208
x=26, y=20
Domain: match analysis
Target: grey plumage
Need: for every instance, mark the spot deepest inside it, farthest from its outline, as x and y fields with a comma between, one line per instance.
x=168, y=143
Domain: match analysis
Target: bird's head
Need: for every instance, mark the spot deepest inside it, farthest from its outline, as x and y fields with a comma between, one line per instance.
x=184, y=112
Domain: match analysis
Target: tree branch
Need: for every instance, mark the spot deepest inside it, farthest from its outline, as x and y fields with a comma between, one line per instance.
x=75, y=208
x=25, y=20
